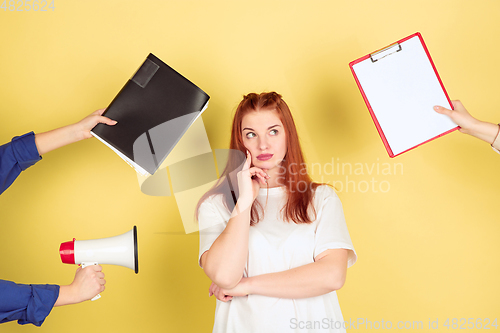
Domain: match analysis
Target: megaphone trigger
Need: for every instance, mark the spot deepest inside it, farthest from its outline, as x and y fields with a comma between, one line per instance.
x=85, y=264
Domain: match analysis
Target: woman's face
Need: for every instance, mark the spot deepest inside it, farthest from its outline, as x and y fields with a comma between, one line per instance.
x=263, y=135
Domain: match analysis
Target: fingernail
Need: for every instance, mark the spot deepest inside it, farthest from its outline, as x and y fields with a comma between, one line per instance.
x=436, y=108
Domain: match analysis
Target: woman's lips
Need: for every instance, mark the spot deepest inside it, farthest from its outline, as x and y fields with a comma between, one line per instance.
x=264, y=157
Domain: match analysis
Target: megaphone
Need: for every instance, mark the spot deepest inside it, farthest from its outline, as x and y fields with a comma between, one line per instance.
x=119, y=250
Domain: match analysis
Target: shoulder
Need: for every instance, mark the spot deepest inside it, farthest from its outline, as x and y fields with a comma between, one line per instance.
x=325, y=195
x=213, y=211
x=217, y=195
x=324, y=192
x=214, y=204
x=214, y=199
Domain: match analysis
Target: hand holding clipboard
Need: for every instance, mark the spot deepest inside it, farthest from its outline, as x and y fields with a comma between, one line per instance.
x=469, y=125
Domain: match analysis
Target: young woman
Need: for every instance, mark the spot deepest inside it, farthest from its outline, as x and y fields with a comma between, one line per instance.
x=274, y=243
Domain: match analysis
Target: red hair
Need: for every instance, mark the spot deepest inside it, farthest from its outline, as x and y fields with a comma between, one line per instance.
x=298, y=184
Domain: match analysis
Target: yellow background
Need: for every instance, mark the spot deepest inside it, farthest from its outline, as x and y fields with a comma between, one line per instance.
x=428, y=248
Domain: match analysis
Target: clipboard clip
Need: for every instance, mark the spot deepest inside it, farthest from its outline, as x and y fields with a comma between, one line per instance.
x=393, y=48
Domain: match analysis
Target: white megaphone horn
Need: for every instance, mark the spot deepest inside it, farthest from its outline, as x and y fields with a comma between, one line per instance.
x=119, y=250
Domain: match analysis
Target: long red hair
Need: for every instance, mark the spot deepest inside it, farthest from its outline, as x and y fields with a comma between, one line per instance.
x=293, y=172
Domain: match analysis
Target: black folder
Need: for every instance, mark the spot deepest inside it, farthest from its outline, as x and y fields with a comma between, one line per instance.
x=153, y=110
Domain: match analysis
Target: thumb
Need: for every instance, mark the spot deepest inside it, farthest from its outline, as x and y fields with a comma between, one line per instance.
x=442, y=110
x=107, y=121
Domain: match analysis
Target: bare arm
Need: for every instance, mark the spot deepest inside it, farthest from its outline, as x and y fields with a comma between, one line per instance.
x=225, y=261
x=326, y=274
x=468, y=124
x=57, y=138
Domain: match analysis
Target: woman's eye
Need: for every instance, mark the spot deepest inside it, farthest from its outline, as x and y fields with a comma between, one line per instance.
x=250, y=135
x=274, y=132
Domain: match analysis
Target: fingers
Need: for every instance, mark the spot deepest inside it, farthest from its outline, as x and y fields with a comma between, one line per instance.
x=107, y=121
x=99, y=274
x=102, y=282
x=218, y=293
x=96, y=268
x=221, y=296
x=97, y=118
x=248, y=161
x=88, y=282
x=442, y=110
x=211, y=289
x=85, y=125
x=260, y=174
x=95, y=271
x=254, y=171
x=457, y=105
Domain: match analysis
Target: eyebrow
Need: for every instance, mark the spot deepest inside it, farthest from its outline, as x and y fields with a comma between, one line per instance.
x=251, y=129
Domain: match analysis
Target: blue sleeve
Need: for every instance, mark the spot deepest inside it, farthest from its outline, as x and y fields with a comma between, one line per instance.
x=17, y=156
x=28, y=304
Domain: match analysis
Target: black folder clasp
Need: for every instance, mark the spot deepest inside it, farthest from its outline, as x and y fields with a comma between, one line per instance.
x=396, y=47
x=145, y=73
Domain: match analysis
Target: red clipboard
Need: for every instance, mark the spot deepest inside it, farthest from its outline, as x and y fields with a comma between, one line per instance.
x=400, y=85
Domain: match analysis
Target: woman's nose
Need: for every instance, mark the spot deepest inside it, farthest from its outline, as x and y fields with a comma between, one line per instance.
x=263, y=144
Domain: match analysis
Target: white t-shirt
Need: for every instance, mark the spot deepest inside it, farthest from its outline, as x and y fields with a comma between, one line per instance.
x=274, y=246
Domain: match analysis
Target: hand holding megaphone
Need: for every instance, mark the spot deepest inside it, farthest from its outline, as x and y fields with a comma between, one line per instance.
x=85, y=264
x=118, y=250
x=86, y=284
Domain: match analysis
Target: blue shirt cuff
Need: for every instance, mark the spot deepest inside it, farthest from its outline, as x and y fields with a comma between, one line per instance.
x=25, y=150
x=28, y=304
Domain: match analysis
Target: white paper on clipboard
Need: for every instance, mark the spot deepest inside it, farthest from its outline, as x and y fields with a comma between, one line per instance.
x=400, y=87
